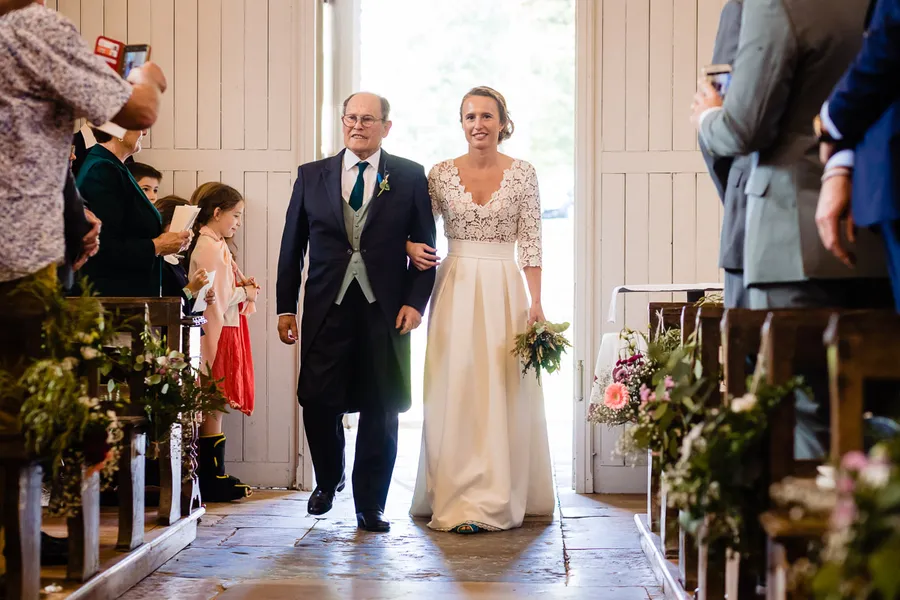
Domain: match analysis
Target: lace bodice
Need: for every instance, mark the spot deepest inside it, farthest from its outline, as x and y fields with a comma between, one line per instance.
x=513, y=214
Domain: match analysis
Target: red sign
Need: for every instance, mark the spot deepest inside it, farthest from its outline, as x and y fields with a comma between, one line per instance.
x=111, y=51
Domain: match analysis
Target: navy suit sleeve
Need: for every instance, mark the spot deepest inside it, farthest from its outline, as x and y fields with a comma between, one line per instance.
x=872, y=83
x=419, y=284
x=293, y=251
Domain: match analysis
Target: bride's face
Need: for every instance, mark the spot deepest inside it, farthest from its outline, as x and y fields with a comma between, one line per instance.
x=481, y=122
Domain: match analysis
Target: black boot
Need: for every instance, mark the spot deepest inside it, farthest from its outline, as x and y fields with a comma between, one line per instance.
x=215, y=485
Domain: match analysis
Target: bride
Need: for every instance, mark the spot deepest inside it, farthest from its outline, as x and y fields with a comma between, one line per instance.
x=485, y=460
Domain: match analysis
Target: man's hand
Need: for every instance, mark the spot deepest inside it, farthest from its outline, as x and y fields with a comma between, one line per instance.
x=834, y=206
x=706, y=97
x=91, y=240
x=287, y=329
x=826, y=151
x=408, y=319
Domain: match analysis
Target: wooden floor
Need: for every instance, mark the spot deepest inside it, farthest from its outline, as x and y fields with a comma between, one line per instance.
x=268, y=547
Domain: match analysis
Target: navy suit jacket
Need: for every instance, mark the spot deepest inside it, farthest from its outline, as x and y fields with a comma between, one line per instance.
x=865, y=108
x=315, y=217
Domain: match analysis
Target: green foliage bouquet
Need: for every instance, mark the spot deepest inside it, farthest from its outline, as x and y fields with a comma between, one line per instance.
x=542, y=347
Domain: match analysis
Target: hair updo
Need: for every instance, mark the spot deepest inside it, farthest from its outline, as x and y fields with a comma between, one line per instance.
x=507, y=125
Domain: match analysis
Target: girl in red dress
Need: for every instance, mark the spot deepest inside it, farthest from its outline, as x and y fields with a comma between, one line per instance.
x=225, y=346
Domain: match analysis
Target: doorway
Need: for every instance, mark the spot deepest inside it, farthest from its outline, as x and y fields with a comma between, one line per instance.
x=423, y=56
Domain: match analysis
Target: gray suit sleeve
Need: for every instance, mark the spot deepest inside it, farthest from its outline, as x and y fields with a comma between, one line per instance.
x=761, y=84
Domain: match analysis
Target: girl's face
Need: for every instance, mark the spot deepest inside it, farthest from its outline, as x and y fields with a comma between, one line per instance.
x=226, y=223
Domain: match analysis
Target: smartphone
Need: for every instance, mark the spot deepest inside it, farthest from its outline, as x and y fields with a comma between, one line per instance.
x=719, y=76
x=135, y=55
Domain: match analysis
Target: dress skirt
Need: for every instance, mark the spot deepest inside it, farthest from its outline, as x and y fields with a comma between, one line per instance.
x=485, y=456
x=234, y=365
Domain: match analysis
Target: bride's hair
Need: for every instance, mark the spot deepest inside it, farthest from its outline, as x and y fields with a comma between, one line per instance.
x=482, y=90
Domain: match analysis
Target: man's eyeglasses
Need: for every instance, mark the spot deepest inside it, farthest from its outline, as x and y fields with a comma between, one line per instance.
x=365, y=120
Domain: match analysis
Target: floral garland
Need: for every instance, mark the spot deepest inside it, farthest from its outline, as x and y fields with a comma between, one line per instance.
x=173, y=390
x=62, y=423
x=862, y=547
x=721, y=470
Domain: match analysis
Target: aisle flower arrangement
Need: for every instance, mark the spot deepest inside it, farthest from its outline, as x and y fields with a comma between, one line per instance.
x=721, y=470
x=64, y=425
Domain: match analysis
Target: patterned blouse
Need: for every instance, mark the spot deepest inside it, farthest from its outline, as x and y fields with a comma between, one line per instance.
x=48, y=79
x=513, y=214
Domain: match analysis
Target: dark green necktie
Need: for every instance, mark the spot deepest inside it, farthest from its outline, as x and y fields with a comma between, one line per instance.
x=356, y=196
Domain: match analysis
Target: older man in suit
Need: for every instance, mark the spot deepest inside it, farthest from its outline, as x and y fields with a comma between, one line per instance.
x=355, y=211
x=791, y=53
x=862, y=118
x=730, y=173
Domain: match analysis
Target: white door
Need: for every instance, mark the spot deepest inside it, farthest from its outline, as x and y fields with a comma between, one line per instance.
x=241, y=108
x=648, y=211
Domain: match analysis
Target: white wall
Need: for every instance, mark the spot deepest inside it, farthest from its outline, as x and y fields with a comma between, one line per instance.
x=241, y=108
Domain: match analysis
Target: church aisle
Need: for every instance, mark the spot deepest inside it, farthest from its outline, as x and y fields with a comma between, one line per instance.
x=268, y=547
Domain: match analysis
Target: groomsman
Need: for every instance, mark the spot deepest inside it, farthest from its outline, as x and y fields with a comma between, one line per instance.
x=862, y=117
x=730, y=173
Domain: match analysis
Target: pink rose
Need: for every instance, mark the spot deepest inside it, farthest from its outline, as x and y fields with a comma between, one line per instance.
x=616, y=396
x=845, y=484
x=670, y=383
x=645, y=392
x=854, y=461
x=843, y=515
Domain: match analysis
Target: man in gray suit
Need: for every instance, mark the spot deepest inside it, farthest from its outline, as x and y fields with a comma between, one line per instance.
x=730, y=173
x=790, y=55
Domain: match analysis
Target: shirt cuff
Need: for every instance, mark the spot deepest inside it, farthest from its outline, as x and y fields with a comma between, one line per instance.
x=706, y=114
x=844, y=158
x=828, y=123
x=287, y=314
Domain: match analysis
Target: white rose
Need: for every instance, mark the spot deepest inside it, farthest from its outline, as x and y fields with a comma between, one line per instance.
x=89, y=353
x=876, y=475
x=744, y=403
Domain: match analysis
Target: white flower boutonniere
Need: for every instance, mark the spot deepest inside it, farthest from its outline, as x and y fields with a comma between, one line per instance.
x=383, y=185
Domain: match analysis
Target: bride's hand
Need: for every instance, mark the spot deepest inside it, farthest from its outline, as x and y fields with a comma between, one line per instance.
x=423, y=256
x=536, y=314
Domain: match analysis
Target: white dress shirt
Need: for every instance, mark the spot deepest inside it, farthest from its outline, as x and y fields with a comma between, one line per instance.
x=350, y=172
x=844, y=158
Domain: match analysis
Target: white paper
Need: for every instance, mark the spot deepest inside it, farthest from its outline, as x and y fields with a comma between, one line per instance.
x=114, y=130
x=658, y=287
x=184, y=218
x=200, y=301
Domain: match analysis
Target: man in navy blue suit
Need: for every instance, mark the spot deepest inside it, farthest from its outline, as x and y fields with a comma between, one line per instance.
x=355, y=211
x=859, y=127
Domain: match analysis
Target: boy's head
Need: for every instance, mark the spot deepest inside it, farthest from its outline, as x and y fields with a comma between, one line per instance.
x=147, y=177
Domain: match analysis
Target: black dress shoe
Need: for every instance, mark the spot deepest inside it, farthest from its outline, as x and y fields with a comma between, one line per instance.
x=372, y=520
x=322, y=499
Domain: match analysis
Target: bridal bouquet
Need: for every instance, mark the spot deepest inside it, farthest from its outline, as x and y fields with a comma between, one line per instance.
x=542, y=347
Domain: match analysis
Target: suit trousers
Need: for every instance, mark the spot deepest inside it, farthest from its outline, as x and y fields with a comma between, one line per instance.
x=735, y=292
x=890, y=232
x=351, y=356
x=811, y=436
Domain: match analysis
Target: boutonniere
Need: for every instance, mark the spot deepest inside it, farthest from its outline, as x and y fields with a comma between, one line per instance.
x=383, y=185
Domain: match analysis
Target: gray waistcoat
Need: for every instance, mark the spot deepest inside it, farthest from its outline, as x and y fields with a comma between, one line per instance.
x=354, y=222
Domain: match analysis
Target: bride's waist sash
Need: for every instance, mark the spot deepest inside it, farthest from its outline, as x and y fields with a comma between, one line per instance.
x=482, y=250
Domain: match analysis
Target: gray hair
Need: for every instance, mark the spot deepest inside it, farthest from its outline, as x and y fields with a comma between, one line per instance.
x=385, y=105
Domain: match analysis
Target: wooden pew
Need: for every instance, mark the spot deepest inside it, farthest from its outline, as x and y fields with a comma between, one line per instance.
x=667, y=315
x=861, y=348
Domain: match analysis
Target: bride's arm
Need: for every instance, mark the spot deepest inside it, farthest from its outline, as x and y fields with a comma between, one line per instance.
x=529, y=242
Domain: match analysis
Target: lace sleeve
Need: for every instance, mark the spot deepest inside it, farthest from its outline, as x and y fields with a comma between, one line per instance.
x=529, y=226
x=433, y=181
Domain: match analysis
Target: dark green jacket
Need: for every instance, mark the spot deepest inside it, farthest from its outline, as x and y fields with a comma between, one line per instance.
x=126, y=264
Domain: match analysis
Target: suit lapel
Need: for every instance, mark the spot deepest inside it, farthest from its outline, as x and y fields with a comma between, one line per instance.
x=377, y=201
x=331, y=176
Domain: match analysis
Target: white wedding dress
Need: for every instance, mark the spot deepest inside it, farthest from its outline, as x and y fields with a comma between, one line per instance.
x=485, y=456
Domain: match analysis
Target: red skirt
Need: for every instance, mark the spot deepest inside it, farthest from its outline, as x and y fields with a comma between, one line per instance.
x=234, y=365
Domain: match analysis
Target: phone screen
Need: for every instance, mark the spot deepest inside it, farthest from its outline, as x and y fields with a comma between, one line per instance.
x=134, y=58
x=720, y=81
